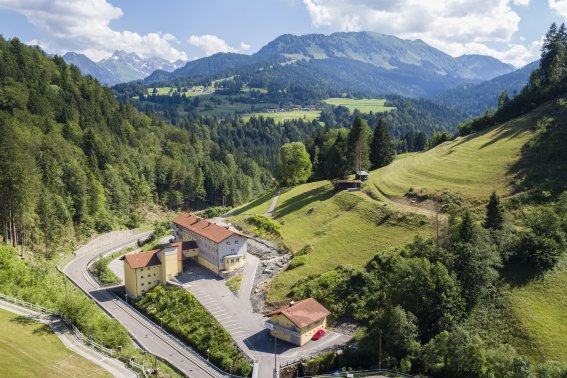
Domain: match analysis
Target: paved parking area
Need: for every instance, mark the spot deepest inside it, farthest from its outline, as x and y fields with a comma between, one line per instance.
x=246, y=327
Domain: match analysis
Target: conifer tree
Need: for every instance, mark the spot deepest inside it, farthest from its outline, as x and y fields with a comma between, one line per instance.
x=358, y=148
x=494, y=213
x=382, y=150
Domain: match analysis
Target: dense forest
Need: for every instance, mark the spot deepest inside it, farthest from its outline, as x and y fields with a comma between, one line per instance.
x=73, y=160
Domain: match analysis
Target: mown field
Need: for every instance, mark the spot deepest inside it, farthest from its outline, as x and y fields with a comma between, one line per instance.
x=31, y=349
x=473, y=166
x=541, y=308
x=375, y=105
x=343, y=228
x=309, y=115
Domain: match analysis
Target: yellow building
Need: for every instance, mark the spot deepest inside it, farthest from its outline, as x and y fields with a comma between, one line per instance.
x=219, y=249
x=297, y=322
x=144, y=270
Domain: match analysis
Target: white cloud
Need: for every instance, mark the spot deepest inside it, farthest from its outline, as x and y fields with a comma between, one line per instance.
x=456, y=27
x=211, y=44
x=83, y=26
x=560, y=6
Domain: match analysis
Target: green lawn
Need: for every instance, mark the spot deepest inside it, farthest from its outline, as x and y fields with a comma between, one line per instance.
x=474, y=165
x=541, y=308
x=31, y=349
x=257, y=207
x=375, y=105
x=308, y=115
x=343, y=228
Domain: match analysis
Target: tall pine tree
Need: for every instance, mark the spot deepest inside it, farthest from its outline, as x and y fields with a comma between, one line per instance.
x=494, y=213
x=382, y=150
x=358, y=145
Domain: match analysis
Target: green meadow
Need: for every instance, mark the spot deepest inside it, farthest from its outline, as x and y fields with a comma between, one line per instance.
x=375, y=105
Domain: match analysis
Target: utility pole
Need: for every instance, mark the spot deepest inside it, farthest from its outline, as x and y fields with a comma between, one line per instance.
x=380, y=351
x=275, y=357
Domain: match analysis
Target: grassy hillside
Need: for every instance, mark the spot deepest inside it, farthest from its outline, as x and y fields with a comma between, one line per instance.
x=474, y=165
x=541, y=308
x=343, y=228
x=308, y=115
x=31, y=349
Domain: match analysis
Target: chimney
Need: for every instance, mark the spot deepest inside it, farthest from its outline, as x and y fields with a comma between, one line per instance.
x=291, y=303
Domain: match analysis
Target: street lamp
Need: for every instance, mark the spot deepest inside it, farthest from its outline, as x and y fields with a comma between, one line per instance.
x=208, y=354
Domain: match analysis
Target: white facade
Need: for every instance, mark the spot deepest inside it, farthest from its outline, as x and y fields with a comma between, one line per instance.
x=214, y=253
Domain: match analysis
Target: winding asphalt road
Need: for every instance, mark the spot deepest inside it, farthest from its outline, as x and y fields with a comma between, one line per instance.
x=146, y=334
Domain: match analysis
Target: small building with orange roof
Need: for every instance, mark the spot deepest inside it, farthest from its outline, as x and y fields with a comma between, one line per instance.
x=297, y=322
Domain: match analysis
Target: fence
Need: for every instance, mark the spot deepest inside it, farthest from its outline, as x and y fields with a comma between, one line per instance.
x=78, y=334
x=182, y=344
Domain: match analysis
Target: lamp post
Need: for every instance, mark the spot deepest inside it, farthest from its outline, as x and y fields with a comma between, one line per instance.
x=208, y=354
x=380, y=350
x=275, y=356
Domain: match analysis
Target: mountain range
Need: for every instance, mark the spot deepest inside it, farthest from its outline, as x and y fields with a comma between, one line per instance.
x=363, y=62
x=120, y=67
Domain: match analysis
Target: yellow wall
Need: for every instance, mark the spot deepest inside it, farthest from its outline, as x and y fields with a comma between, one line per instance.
x=207, y=264
x=169, y=267
x=138, y=281
x=233, y=263
x=306, y=332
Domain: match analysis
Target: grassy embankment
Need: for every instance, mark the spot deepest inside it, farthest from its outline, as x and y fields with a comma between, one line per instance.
x=474, y=166
x=30, y=349
x=375, y=105
x=343, y=228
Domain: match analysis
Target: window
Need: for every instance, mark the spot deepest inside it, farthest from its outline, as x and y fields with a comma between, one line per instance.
x=141, y=270
x=227, y=243
x=236, y=242
x=142, y=284
x=232, y=250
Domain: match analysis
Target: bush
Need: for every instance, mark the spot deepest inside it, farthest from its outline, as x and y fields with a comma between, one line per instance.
x=184, y=316
x=215, y=211
x=296, y=262
x=264, y=224
x=39, y=282
x=304, y=251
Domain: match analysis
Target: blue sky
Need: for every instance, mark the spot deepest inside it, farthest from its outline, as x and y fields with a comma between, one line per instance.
x=510, y=30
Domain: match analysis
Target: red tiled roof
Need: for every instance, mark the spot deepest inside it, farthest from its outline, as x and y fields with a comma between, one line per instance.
x=303, y=313
x=203, y=227
x=142, y=259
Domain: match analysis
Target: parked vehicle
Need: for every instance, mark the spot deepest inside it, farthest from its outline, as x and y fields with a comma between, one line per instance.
x=320, y=333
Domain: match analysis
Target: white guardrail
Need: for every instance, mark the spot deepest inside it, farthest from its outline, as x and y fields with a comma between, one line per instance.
x=78, y=334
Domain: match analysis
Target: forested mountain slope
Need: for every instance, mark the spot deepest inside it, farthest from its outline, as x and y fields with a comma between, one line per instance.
x=73, y=160
x=365, y=62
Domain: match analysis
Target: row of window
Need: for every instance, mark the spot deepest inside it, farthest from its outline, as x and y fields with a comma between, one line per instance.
x=149, y=283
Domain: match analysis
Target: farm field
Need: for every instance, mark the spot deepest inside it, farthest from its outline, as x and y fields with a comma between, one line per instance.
x=315, y=214
x=309, y=115
x=375, y=105
x=473, y=166
x=31, y=349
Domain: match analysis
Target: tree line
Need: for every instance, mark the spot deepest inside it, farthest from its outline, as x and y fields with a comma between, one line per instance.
x=336, y=153
x=430, y=302
x=73, y=160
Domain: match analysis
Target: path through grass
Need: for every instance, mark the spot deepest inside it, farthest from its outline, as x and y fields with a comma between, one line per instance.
x=31, y=349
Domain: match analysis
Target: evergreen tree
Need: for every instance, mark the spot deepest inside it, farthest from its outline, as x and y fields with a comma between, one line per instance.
x=358, y=145
x=466, y=227
x=494, y=213
x=338, y=163
x=382, y=150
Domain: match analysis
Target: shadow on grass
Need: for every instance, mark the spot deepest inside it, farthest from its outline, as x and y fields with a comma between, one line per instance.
x=24, y=321
x=254, y=203
x=519, y=274
x=40, y=330
x=292, y=204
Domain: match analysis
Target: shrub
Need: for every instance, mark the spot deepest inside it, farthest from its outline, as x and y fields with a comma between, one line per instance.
x=264, y=224
x=296, y=262
x=184, y=316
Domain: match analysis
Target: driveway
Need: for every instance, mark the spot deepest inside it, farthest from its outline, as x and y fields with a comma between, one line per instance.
x=246, y=327
x=146, y=333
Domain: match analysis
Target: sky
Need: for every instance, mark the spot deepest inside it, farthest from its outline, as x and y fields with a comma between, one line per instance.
x=510, y=30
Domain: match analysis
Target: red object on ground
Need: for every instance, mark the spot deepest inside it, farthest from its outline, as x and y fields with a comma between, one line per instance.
x=320, y=333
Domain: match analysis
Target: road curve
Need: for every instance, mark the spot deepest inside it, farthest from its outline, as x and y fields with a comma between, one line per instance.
x=146, y=333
